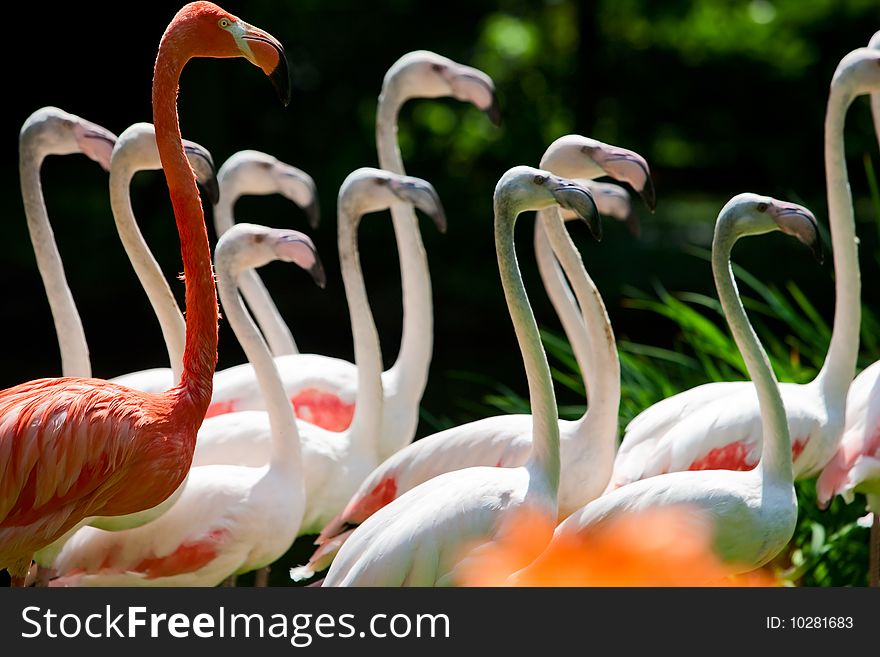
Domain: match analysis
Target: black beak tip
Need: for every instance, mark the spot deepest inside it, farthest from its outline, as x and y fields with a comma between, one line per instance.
x=818, y=252
x=280, y=78
x=212, y=189
x=313, y=212
x=649, y=196
x=494, y=112
x=318, y=275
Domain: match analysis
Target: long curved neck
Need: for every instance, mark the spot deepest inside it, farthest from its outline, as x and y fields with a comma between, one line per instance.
x=367, y=420
x=285, y=444
x=146, y=268
x=563, y=301
x=840, y=363
x=200, y=352
x=259, y=300
x=775, y=460
x=68, y=325
x=590, y=329
x=544, y=459
x=409, y=373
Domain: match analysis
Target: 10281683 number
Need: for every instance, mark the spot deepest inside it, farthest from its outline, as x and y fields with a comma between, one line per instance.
x=810, y=623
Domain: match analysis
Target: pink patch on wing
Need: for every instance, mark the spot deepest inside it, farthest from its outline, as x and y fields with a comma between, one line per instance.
x=734, y=456
x=323, y=409
x=220, y=408
x=797, y=448
x=187, y=558
x=383, y=493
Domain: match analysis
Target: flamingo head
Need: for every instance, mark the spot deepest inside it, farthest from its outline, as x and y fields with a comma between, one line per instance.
x=254, y=172
x=211, y=31
x=525, y=188
x=858, y=72
x=136, y=150
x=52, y=131
x=373, y=190
x=248, y=246
x=425, y=74
x=574, y=156
x=752, y=214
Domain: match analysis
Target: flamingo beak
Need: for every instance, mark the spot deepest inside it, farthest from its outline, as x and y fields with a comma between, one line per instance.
x=313, y=213
x=494, y=112
x=266, y=51
x=799, y=222
x=628, y=166
x=473, y=86
x=295, y=247
x=96, y=142
x=579, y=200
x=422, y=195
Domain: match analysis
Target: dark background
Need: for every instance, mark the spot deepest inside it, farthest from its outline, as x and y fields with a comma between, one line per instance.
x=717, y=98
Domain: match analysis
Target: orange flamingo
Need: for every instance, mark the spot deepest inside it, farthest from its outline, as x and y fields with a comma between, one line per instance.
x=77, y=447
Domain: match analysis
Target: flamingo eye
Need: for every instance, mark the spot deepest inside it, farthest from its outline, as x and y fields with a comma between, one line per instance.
x=437, y=68
x=540, y=180
x=762, y=207
x=224, y=23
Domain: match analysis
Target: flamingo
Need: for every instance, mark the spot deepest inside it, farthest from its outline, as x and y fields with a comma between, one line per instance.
x=52, y=131
x=718, y=425
x=323, y=388
x=416, y=540
x=335, y=462
x=752, y=513
x=587, y=444
x=71, y=448
x=254, y=172
x=229, y=519
x=856, y=464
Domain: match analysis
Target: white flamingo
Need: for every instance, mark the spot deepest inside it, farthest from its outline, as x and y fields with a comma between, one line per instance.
x=718, y=425
x=251, y=172
x=228, y=519
x=52, y=131
x=856, y=464
x=753, y=513
x=417, y=539
x=323, y=388
x=334, y=462
x=588, y=443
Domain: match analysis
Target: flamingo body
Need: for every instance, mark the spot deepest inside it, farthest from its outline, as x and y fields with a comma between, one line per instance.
x=856, y=464
x=718, y=426
x=71, y=448
x=205, y=537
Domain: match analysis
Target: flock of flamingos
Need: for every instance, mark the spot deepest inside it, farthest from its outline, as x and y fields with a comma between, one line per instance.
x=187, y=476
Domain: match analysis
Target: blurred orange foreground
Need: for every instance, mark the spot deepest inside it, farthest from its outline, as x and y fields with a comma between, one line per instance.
x=662, y=547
